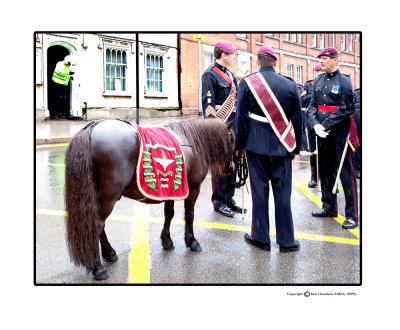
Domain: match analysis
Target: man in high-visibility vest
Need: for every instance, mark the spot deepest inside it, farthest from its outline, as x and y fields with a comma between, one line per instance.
x=62, y=73
x=61, y=77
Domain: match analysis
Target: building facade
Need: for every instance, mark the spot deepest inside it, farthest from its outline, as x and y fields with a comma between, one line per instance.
x=169, y=68
x=106, y=75
x=297, y=57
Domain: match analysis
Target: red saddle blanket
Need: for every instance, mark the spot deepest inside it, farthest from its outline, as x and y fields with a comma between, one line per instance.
x=161, y=168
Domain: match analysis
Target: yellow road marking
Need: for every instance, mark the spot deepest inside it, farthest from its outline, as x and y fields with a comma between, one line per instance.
x=302, y=161
x=340, y=188
x=140, y=218
x=51, y=164
x=51, y=145
x=139, y=257
x=340, y=219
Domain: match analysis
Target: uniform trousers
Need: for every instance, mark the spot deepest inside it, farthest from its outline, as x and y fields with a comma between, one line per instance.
x=329, y=156
x=313, y=158
x=262, y=169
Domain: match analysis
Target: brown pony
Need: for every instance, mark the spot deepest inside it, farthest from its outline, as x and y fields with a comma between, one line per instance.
x=101, y=165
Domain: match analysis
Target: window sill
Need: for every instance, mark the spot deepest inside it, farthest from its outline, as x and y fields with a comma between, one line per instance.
x=115, y=93
x=295, y=43
x=156, y=96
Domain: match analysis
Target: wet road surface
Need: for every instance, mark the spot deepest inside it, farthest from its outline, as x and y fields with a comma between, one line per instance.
x=328, y=254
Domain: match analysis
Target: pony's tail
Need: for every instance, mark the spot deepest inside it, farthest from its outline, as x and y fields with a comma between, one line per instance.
x=81, y=202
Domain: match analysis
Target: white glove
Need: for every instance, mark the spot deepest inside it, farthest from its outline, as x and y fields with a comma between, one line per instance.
x=320, y=131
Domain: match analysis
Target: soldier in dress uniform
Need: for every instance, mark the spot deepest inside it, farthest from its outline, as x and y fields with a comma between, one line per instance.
x=268, y=126
x=357, y=120
x=305, y=101
x=218, y=100
x=329, y=112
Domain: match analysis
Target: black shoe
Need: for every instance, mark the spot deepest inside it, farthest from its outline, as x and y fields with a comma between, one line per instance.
x=350, y=223
x=225, y=211
x=286, y=249
x=236, y=208
x=252, y=241
x=312, y=184
x=324, y=213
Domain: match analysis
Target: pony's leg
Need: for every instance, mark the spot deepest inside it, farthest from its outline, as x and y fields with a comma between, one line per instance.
x=99, y=272
x=190, y=240
x=107, y=250
x=165, y=234
x=107, y=202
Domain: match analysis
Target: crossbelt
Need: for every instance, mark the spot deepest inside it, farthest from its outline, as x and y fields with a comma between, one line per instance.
x=257, y=117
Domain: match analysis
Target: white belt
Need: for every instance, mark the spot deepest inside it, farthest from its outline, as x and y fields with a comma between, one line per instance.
x=257, y=117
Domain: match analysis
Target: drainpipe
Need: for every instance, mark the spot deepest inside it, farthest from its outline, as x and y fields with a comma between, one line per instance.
x=179, y=68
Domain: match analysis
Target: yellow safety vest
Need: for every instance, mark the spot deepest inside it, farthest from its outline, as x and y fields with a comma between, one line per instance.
x=61, y=73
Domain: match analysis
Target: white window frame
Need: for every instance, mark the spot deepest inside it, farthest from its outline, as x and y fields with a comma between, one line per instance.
x=350, y=43
x=290, y=70
x=321, y=40
x=299, y=74
x=241, y=36
x=121, y=49
x=293, y=38
x=162, y=69
x=299, y=38
x=333, y=40
x=314, y=40
x=342, y=41
x=243, y=57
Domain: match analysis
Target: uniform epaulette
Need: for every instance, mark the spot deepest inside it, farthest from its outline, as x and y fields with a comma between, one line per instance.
x=286, y=77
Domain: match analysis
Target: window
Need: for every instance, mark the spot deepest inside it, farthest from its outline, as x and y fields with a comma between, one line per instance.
x=350, y=42
x=314, y=40
x=154, y=73
x=294, y=37
x=242, y=36
x=321, y=40
x=333, y=40
x=287, y=36
x=244, y=63
x=299, y=40
x=116, y=65
x=314, y=73
x=208, y=59
x=342, y=42
x=299, y=74
x=290, y=70
x=357, y=37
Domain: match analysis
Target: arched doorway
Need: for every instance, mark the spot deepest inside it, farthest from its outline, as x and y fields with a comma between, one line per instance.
x=58, y=96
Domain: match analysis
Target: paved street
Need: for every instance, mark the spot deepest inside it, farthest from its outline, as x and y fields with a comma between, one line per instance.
x=328, y=254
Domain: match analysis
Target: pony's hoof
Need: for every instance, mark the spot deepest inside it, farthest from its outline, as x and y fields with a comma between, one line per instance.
x=111, y=258
x=169, y=246
x=100, y=274
x=195, y=246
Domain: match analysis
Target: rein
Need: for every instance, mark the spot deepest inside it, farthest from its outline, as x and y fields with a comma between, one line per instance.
x=241, y=172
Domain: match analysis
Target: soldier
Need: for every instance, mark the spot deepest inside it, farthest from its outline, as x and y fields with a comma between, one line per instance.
x=357, y=120
x=218, y=100
x=329, y=114
x=305, y=101
x=270, y=145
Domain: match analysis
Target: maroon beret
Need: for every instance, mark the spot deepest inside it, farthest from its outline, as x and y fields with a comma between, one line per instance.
x=265, y=50
x=299, y=84
x=329, y=51
x=318, y=67
x=225, y=46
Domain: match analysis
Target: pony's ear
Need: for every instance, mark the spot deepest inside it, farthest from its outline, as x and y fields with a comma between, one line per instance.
x=230, y=125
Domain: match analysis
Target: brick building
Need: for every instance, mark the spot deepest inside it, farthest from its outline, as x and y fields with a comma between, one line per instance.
x=297, y=57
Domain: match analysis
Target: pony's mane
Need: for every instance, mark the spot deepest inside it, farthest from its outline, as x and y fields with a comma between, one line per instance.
x=209, y=139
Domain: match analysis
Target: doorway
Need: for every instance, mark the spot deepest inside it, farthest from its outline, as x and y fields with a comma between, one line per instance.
x=58, y=96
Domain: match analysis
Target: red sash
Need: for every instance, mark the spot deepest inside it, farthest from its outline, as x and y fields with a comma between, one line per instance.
x=161, y=167
x=227, y=107
x=222, y=74
x=272, y=109
x=327, y=108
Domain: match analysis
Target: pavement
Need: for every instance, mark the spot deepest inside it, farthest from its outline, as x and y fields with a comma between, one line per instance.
x=54, y=131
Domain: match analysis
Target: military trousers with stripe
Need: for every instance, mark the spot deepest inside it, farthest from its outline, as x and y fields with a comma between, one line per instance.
x=329, y=156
